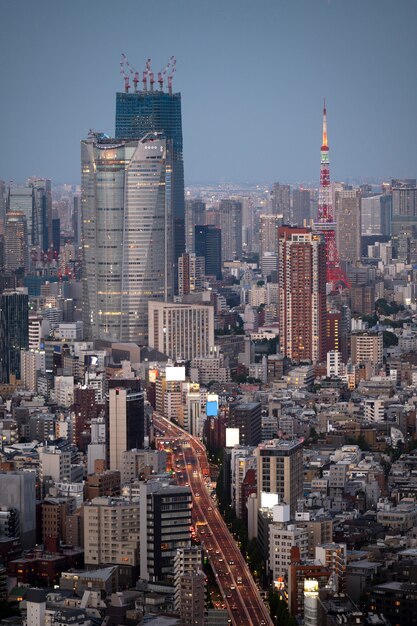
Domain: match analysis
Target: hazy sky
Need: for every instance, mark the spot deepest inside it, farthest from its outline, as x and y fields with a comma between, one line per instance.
x=252, y=74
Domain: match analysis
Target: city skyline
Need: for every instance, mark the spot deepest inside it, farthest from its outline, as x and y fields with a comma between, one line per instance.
x=252, y=82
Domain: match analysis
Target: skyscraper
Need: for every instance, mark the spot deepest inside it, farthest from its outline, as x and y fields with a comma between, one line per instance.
x=142, y=112
x=268, y=235
x=195, y=214
x=281, y=202
x=14, y=333
x=208, y=244
x=302, y=294
x=300, y=206
x=15, y=242
x=127, y=234
x=348, y=224
x=404, y=205
x=231, y=227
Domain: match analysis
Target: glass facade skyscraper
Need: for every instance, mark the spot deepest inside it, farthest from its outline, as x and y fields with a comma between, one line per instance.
x=14, y=331
x=126, y=204
x=157, y=111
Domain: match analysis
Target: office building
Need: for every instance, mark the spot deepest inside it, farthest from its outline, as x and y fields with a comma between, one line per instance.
x=18, y=491
x=283, y=537
x=187, y=560
x=127, y=234
x=165, y=520
x=300, y=206
x=281, y=202
x=190, y=273
x=111, y=536
x=14, y=337
x=32, y=363
x=347, y=212
x=280, y=470
x=181, y=331
x=376, y=215
x=334, y=557
x=404, y=205
x=231, y=228
x=268, y=235
x=195, y=215
x=149, y=111
x=20, y=199
x=126, y=419
x=16, y=251
x=208, y=244
x=247, y=418
x=192, y=598
x=367, y=347
x=42, y=231
x=302, y=294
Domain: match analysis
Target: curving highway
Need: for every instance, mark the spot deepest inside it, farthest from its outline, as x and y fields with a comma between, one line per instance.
x=240, y=593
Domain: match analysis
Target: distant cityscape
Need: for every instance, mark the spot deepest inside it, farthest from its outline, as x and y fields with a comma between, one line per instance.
x=208, y=392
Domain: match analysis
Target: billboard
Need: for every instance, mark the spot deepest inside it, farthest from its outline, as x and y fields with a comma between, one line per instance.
x=212, y=405
x=232, y=437
x=175, y=374
x=268, y=500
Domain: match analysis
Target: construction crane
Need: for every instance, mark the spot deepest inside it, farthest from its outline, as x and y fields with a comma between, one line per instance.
x=133, y=73
x=171, y=74
x=123, y=73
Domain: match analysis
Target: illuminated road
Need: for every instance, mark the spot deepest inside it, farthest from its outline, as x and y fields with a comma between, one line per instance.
x=240, y=593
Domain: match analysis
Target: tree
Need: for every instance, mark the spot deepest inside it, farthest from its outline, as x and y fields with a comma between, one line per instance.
x=389, y=339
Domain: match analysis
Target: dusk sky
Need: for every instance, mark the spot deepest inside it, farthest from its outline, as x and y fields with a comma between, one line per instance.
x=252, y=73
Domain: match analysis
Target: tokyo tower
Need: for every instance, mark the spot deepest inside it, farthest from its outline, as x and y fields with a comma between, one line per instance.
x=326, y=224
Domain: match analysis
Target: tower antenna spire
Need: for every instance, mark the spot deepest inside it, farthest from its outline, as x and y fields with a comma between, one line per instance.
x=335, y=276
x=324, y=141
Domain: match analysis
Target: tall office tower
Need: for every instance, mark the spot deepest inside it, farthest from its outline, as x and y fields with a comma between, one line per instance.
x=126, y=419
x=14, y=332
x=195, y=214
x=111, y=535
x=247, y=223
x=165, y=521
x=334, y=331
x=302, y=294
x=348, y=225
x=127, y=234
x=280, y=470
x=281, y=202
x=21, y=199
x=208, y=244
x=190, y=273
x=231, y=227
x=326, y=224
x=76, y=219
x=268, y=235
x=300, y=206
x=146, y=111
x=56, y=236
x=3, y=204
x=247, y=418
x=404, y=205
x=376, y=215
x=18, y=490
x=181, y=331
x=41, y=213
x=16, y=250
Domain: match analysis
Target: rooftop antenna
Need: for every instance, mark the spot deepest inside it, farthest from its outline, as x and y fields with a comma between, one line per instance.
x=123, y=73
x=171, y=74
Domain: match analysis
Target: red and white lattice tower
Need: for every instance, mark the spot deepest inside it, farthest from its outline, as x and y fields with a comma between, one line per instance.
x=326, y=224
